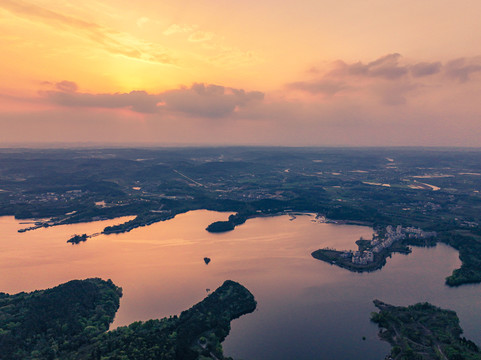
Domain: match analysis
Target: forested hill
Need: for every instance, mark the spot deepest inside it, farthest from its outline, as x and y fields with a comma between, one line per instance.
x=195, y=334
x=70, y=322
x=53, y=323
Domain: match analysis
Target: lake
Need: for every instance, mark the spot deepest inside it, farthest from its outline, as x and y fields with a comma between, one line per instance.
x=307, y=309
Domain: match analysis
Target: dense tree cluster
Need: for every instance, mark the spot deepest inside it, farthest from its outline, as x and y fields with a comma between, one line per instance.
x=196, y=332
x=50, y=324
x=423, y=332
x=71, y=321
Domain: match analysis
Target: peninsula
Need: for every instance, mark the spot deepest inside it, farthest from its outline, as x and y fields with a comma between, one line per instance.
x=423, y=331
x=71, y=321
x=372, y=254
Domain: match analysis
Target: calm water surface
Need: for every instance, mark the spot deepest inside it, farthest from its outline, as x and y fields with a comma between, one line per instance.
x=307, y=309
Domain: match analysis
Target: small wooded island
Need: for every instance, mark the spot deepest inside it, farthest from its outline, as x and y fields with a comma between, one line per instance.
x=223, y=226
x=372, y=254
x=423, y=331
x=71, y=321
x=77, y=239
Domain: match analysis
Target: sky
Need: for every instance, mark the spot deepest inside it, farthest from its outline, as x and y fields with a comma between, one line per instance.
x=223, y=72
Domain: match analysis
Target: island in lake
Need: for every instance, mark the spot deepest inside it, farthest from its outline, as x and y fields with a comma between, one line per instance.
x=223, y=226
x=71, y=321
x=77, y=239
x=372, y=254
x=423, y=331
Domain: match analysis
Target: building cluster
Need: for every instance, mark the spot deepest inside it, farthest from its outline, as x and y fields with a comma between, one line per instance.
x=47, y=197
x=416, y=233
x=393, y=234
x=362, y=258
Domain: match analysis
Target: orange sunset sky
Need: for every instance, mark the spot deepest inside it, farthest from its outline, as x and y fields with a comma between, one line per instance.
x=214, y=72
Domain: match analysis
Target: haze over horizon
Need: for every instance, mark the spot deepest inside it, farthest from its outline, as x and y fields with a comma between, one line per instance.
x=309, y=73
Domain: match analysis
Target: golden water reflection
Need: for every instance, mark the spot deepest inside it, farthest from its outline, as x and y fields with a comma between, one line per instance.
x=304, y=305
x=161, y=267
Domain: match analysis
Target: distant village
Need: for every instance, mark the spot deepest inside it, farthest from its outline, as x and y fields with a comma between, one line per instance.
x=378, y=244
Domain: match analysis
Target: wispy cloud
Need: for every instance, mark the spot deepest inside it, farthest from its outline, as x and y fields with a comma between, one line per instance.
x=214, y=46
x=201, y=36
x=142, y=21
x=110, y=40
x=179, y=29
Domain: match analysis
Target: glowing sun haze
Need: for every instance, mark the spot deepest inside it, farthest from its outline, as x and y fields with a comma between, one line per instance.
x=323, y=72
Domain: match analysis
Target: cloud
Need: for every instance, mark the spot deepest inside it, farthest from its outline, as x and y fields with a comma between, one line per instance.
x=425, y=69
x=385, y=79
x=394, y=67
x=322, y=86
x=386, y=67
x=200, y=100
x=428, y=105
x=201, y=36
x=176, y=29
x=138, y=101
x=142, y=21
x=389, y=80
x=217, y=52
x=211, y=101
x=195, y=35
x=394, y=94
x=339, y=121
x=110, y=40
x=461, y=69
x=66, y=86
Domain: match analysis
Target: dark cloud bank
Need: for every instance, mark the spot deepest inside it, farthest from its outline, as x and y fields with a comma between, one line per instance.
x=389, y=68
x=210, y=101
